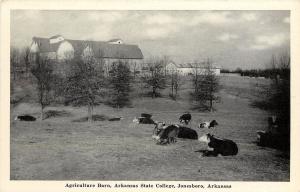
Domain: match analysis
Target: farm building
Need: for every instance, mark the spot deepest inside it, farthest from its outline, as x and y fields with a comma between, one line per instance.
x=60, y=49
x=190, y=68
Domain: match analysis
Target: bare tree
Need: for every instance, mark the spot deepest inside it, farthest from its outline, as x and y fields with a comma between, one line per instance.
x=178, y=83
x=42, y=70
x=175, y=83
x=155, y=79
x=207, y=85
x=196, y=75
x=64, y=63
x=279, y=66
x=274, y=65
x=165, y=61
x=26, y=60
x=279, y=98
x=107, y=67
x=84, y=83
x=14, y=60
x=101, y=62
x=134, y=67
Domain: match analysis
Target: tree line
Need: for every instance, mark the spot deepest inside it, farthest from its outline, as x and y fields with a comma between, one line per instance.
x=276, y=68
x=85, y=83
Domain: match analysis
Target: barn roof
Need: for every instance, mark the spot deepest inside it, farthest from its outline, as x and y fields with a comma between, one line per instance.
x=100, y=48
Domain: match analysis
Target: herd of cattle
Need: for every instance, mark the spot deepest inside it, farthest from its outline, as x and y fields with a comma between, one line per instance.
x=168, y=133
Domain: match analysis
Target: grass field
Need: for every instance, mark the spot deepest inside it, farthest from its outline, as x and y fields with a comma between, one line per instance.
x=60, y=149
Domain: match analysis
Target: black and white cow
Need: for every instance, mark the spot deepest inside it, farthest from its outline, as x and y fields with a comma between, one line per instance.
x=146, y=115
x=218, y=146
x=187, y=133
x=164, y=134
x=208, y=125
x=25, y=118
x=185, y=118
x=145, y=118
x=272, y=134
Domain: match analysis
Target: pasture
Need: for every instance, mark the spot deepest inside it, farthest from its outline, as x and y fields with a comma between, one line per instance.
x=58, y=148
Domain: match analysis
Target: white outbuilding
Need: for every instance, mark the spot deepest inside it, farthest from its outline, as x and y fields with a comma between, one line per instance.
x=192, y=68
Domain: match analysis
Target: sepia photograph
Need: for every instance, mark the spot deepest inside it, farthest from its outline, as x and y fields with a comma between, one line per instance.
x=152, y=95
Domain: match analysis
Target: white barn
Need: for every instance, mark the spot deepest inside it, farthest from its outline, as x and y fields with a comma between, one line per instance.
x=190, y=68
x=60, y=49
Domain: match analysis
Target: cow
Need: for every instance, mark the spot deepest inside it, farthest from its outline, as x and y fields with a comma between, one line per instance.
x=146, y=115
x=25, y=118
x=274, y=136
x=208, y=125
x=185, y=118
x=187, y=133
x=159, y=126
x=165, y=134
x=143, y=120
x=225, y=147
x=273, y=124
x=264, y=138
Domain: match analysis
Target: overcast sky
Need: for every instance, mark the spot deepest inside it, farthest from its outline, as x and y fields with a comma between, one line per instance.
x=232, y=39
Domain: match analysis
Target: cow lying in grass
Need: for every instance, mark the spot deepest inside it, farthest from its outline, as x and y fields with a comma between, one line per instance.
x=208, y=125
x=25, y=118
x=218, y=146
x=276, y=136
x=146, y=115
x=144, y=119
x=165, y=134
x=265, y=138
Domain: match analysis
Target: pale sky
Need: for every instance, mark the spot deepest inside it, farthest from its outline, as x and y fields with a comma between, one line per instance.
x=245, y=39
